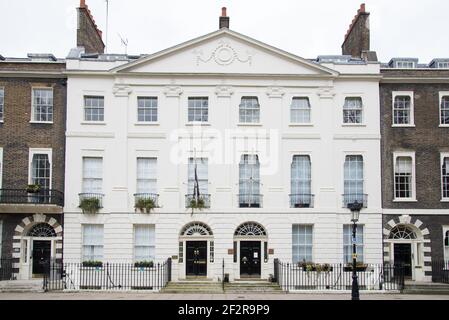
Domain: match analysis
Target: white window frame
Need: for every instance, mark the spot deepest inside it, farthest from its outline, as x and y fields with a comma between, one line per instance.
x=93, y=95
x=157, y=109
x=353, y=96
x=357, y=244
x=203, y=180
x=360, y=154
x=445, y=249
x=3, y=105
x=291, y=109
x=411, y=155
x=440, y=101
x=152, y=179
x=32, y=152
x=443, y=155
x=82, y=240
x=299, y=154
x=82, y=172
x=153, y=244
x=412, y=108
x=206, y=97
x=313, y=240
x=443, y=65
x=32, y=105
x=398, y=62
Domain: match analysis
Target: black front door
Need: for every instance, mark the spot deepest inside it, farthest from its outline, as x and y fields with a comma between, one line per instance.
x=403, y=256
x=196, y=258
x=250, y=259
x=41, y=255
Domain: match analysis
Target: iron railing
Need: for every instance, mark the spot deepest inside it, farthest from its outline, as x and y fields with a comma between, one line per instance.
x=250, y=200
x=22, y=196
x=6, y=269
x=297, y=276
x=143, y=199
x=203, y=200
x=301, y=200
x=107, y=276
x=91, y=202
x=350, y=198
x=440, y=271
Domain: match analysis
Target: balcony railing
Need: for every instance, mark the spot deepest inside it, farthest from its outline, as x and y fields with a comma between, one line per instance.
x=42, y=197
x=351, y=198
x=301, y=200
x=203, y=201
x=146, y=201
x=250, y=200
x=91, y=202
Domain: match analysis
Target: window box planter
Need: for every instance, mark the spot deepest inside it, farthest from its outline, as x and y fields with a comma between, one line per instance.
x=92, y=264
x=145, y=205
x=143, y=264
x=310, y=266
x=33, y=188
x=359, y=268
x=90, y=205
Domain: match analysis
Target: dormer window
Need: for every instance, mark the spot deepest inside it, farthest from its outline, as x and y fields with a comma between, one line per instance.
x=405, y=64
x=443, y=65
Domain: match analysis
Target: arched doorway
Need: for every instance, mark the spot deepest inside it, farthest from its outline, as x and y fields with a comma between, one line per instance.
x=38, y=239
x=404, y=245
x=196, y=250
x=250, y=249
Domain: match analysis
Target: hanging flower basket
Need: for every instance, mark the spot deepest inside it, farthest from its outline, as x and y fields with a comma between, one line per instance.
x=145, y=205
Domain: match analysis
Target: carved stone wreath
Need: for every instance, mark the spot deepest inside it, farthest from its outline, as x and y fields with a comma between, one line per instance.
x=223, y=55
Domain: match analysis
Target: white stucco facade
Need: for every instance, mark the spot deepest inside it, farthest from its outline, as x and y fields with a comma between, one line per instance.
x=223, y=66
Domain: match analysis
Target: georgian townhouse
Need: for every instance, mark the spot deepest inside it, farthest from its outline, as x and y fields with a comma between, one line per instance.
x=222, y=150
x=414, y=100
x=32, y=154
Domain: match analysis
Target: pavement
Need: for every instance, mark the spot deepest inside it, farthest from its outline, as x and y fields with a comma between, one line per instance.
x=235, y=297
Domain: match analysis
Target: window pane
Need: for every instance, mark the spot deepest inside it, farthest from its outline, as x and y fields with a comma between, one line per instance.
x=2, y=102
x=92, y=242
x=144, y=243
x=198, y=109
x=401, y=110
x=93, y=108
x=147, y=109
x=249, y=180
x=347, y=243
x=445, y=110
x=202, y=173
x=302, y=243
x=42, y=105
x=249, y=110
x=445, y=177
x=353, y=110
x=146, y=175
x=92, y=175
x=300, y=110
x=403, y=177
x=353, y=178
x=40, y=171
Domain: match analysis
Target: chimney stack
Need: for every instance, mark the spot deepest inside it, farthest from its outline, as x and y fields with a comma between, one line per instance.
x=357, y=38
x=87, y=34
x=224, y=19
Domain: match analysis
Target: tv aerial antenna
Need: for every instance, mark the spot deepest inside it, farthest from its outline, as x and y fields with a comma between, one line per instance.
x=124, y=42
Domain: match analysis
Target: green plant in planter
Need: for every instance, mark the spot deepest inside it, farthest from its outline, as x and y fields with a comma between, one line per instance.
x=145, y=205
x=90, y=205
x=308, y=266
x=94, y=264
x=360, y=266
x=33, y=188
x=144, y=264
x=197, y=204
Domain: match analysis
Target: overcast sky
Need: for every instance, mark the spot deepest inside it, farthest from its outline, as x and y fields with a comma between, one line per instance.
x=399, y=28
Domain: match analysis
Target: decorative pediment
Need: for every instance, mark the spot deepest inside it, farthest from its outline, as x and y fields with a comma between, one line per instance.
x=224, y=51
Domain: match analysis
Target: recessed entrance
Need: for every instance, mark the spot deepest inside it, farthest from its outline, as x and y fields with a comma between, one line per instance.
x=41, y=256
x=196, y=258
x=250, y=262
x=403, y=256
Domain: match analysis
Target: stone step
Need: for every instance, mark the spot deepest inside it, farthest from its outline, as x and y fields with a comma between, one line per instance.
x=426, y=291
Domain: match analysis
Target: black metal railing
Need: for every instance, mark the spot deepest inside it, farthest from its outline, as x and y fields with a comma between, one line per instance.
x=6, y=269
x=203, y=201
x=145, y=202
x=350, y=198
x=107, y=276
x=440, y=271
x=301, y=200
x=309, y=276
x=22, y=196
x=250, y=200
x=91, y=202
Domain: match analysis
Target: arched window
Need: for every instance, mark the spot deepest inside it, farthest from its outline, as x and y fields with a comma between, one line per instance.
x=402, y=232
x=250, y=229
x=42, y=230
x=196, y=229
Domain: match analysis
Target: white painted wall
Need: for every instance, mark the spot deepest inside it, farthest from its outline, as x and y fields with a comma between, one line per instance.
x=120, y=140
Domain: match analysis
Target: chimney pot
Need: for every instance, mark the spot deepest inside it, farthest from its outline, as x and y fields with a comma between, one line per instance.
x=223, y=12
x=224, y=19
x=82, y=3
x=362, y=8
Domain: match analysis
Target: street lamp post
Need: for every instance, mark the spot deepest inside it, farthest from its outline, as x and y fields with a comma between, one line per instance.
x=355, y=210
